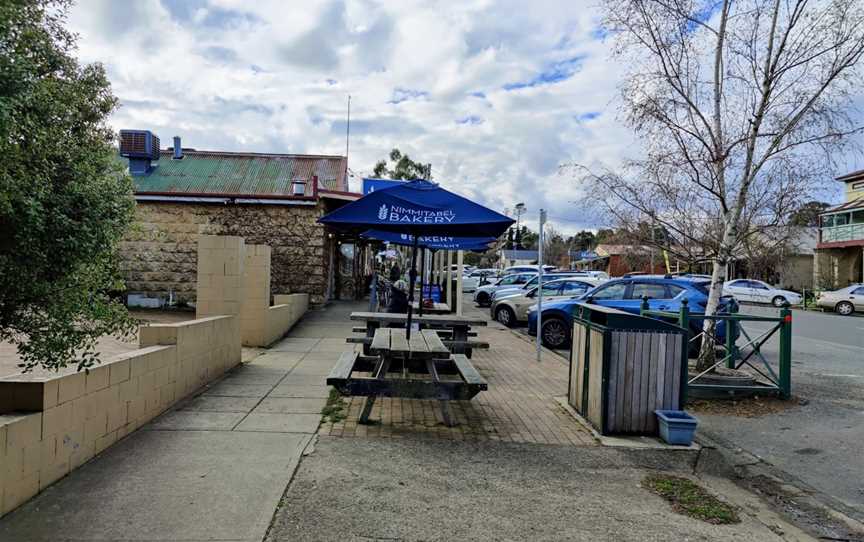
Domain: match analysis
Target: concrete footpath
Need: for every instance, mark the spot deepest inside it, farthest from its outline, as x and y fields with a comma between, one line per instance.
x=243, y=460
x=213, y=468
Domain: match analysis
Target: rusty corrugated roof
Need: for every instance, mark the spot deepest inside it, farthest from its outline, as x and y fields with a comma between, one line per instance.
x=254, y=175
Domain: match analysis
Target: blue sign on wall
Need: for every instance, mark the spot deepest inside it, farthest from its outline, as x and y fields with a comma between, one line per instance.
x=371, y=185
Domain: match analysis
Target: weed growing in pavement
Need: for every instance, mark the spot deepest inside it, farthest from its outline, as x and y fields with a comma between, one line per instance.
x=690, y=499
x=334, y=410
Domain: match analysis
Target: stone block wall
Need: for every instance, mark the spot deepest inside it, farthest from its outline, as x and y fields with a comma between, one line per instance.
x=50, y=425
x=159, y=254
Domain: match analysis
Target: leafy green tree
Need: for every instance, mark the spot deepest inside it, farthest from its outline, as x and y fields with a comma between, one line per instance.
x=402, y=168
x=583, y=240
x=64, y=199
x=808, y=214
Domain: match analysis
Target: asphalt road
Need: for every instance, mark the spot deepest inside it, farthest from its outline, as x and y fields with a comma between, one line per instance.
x=819, y=438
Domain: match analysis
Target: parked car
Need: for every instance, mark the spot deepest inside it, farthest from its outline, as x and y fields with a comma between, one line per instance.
x=844, y=301
x=524, y=288
x=685, y=274
x=664, y=294
x=465, y=268
x=469, y=283
x=487, y=275
x=483, y=294
x=512, y=309
x=757, y=291
x=527, y=269
x=601, y=275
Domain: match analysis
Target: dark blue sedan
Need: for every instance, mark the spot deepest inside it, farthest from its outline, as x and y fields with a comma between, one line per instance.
x=663, y=293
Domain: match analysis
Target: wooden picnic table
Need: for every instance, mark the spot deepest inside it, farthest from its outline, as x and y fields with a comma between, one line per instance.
x=423, y=344
x=460, y=325
x=424, y=350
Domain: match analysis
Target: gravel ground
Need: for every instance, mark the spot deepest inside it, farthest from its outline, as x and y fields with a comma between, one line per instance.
x=382, y=489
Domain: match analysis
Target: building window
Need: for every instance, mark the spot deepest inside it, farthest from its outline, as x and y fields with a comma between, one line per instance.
x=858, y=186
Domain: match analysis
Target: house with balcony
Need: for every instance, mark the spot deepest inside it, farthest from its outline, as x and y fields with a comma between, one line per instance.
x=839, y=256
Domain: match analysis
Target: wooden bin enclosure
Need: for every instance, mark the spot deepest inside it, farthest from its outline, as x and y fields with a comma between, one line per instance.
x=623, y=367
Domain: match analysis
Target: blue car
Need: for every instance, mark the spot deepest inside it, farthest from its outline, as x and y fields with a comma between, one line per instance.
x=663, y=293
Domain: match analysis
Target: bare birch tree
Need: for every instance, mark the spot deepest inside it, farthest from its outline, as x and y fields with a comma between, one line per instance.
x=741, y=107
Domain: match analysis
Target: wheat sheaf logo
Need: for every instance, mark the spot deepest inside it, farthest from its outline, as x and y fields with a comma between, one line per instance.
x=382, y=212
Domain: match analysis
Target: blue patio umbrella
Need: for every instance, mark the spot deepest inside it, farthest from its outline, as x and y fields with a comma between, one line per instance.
x=418, y=208
x=433, y=243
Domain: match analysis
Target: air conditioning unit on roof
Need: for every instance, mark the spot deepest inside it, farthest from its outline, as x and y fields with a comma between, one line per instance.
x=139, y=144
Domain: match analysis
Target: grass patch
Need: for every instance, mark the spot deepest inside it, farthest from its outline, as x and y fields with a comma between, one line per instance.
x=334, y=410
x=690, y=499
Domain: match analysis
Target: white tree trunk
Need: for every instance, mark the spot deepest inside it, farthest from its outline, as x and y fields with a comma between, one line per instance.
x=715, y=292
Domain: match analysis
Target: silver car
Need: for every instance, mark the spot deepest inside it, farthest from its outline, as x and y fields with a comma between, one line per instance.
x=844, y=301
x=483, y=294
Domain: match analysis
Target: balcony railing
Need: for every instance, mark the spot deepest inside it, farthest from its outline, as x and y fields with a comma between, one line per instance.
x=836, y=234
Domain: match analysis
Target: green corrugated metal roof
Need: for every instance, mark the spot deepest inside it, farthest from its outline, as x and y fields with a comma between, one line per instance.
x=240, y=174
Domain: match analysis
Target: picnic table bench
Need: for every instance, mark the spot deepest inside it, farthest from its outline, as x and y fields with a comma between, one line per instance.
x=423, y=353
x=458, y=327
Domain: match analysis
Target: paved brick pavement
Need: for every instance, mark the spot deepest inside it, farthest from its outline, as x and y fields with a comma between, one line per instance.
x=519, y=406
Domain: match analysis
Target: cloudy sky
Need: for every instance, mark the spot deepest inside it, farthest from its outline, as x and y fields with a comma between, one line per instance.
x=494, y=94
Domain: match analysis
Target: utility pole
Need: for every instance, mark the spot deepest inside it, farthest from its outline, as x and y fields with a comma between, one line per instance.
x=540, y=284
x=517, y=239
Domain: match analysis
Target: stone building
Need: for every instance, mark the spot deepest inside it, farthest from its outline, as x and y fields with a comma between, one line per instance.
x=268, y=199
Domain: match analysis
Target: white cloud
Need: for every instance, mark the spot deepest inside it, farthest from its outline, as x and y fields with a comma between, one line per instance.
x=494, y=94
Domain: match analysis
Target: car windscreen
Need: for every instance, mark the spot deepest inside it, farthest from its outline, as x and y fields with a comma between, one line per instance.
x=702, y=285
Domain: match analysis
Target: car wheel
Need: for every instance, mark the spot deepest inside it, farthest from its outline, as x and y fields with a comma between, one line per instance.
x=505, y=315
x=845, y=308
x=555, y=333
x=778, y=301
x=482, y=299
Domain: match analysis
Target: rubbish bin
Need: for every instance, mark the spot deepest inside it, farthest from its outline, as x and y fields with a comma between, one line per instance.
x=623, y=367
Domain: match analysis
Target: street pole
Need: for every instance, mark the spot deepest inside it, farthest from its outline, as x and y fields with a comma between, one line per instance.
x=540, y=283
x=517, y=238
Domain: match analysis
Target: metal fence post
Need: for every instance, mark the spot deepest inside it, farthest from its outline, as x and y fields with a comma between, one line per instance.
x=731, y=332
x=684, y=322
x=684, y=316
x=786, y=351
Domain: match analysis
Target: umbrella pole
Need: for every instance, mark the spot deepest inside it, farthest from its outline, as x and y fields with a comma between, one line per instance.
x=422, y=278
x=412, y=276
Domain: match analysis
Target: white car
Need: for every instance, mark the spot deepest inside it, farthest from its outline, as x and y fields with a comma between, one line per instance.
x=470, y=283
x=757, y=291
x=527, y=269
x=483, y=294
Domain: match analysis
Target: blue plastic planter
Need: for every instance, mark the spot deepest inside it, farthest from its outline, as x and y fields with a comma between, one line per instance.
x=676, y=426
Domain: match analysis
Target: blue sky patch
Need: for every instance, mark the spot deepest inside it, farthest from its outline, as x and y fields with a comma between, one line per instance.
x=404, y=94
x=590, y=115
x=470, y=119
x=555, y=73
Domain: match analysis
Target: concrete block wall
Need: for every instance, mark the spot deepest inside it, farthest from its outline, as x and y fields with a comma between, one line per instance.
x=221, y=265
x=78, y=415
x=260, y=323
x=221, y=262
x=254, y=321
